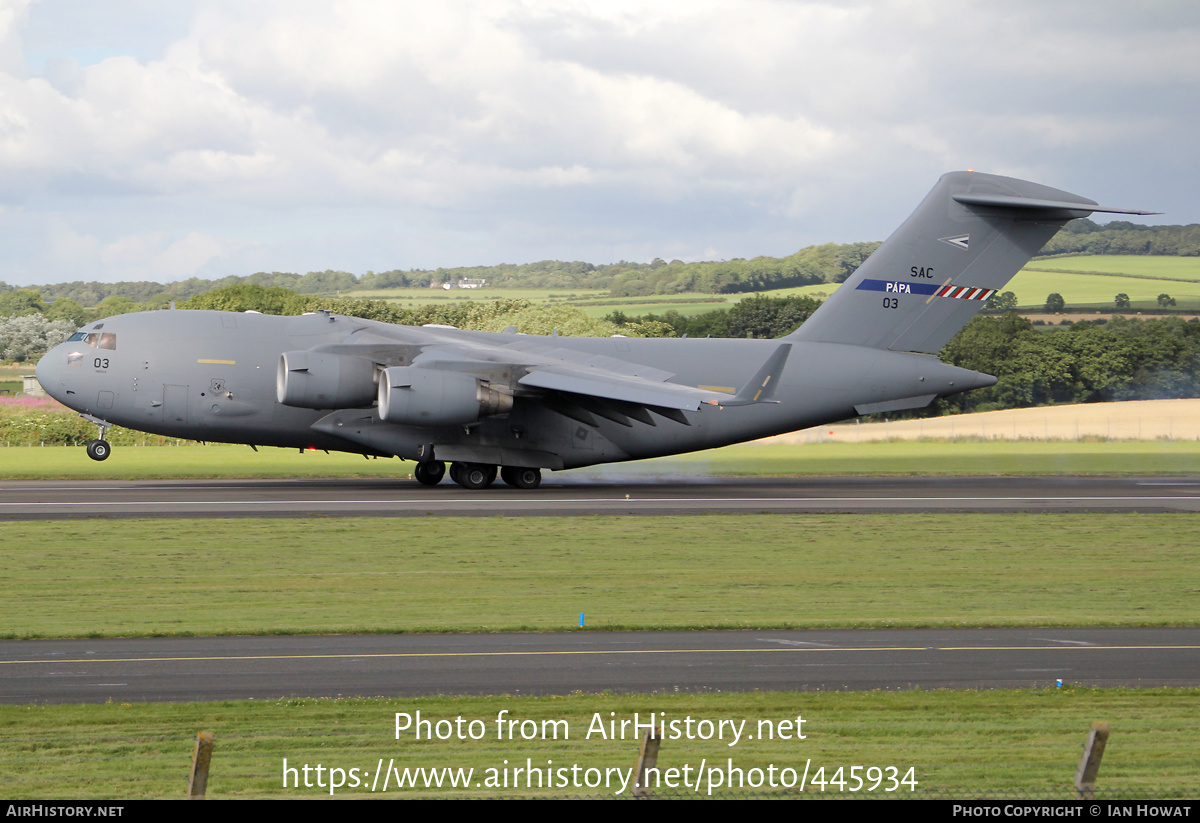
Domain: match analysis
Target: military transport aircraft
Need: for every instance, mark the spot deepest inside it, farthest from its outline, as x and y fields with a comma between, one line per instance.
x=521, y=403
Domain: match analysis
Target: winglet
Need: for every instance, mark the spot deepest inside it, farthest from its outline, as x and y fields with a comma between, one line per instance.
x=761, y=387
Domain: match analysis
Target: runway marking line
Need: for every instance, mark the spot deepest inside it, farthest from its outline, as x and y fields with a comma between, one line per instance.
x=382, y=655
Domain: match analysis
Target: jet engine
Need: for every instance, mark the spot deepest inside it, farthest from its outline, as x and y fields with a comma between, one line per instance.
x=429, y=397
x=320, y=380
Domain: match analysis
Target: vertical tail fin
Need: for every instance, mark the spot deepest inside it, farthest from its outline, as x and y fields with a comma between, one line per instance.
x=965, y=241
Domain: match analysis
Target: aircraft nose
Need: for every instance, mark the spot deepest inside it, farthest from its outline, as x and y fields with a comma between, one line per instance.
x=50, y=374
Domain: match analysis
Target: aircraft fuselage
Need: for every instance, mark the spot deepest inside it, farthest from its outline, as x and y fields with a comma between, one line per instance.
x=484, y=401
x=212, y=376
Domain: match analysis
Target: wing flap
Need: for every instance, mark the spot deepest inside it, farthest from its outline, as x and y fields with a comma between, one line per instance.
x=660, y=395
x=616, y=387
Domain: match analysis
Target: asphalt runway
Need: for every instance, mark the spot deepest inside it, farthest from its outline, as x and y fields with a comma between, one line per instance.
x=238, y=668
x=566, y=496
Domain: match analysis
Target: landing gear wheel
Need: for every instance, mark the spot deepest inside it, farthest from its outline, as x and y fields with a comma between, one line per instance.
x=430, y=474
x=98, y=449
x=521, y=478
x=473, y=475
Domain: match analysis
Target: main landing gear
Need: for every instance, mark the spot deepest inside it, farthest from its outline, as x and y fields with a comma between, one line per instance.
x=477, y=475
x=521, y=477
x=473, y=475
x=429, y=474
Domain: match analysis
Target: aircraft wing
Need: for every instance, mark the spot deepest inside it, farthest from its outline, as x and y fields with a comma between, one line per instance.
x=610, y=386
x=642, y=391
x=533, y=365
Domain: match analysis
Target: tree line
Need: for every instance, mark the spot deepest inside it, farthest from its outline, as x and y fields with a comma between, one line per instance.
x=1123, y=237
x=828, y=263
x=758, y=316
x=1084, y=362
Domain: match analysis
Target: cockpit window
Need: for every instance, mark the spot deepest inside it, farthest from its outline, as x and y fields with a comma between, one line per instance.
x=107, y=340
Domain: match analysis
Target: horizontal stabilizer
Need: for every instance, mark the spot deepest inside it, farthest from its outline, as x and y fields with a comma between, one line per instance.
x=1005, y=201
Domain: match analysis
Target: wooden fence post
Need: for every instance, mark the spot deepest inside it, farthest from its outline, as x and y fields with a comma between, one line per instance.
x=647, y=759
x=1089, y=763
x=198, y=780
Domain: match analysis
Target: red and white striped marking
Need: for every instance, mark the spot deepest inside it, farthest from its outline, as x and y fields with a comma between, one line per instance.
x=965, y=292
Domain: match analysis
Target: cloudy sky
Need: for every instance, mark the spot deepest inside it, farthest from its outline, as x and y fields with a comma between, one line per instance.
x=164, y=139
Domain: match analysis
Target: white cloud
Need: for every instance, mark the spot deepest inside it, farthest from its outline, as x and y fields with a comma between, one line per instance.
x=12, y=19
x=564, y=119
x=157, y=255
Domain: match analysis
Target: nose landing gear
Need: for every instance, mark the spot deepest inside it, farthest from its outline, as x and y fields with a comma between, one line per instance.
x=100, y=448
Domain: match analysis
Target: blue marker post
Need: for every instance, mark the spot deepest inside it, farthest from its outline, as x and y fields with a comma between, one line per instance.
x=581, y=620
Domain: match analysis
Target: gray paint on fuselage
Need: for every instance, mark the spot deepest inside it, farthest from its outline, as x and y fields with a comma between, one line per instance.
x=820, y=383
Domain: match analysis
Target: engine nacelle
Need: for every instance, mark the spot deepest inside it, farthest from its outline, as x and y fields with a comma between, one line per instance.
x=429, y=397
x=320, y=380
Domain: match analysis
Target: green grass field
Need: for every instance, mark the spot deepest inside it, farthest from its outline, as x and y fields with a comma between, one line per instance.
x=11, y=377
x=1084, y=290
x=215, y=577
x=639, y=307
x=1157, y=267
x=421, y=297
x=594, y=302
x=1008, y=744
x=751, y=459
